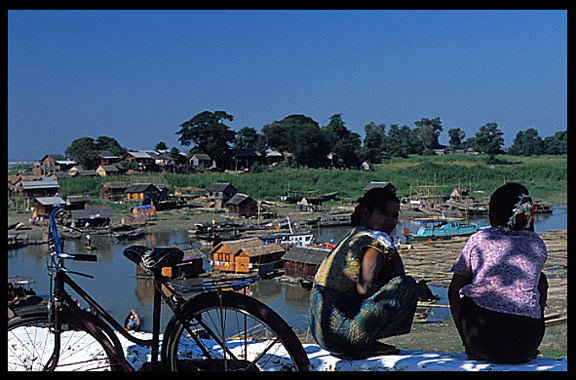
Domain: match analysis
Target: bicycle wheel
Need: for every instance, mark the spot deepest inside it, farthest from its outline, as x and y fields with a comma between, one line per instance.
x=229, y=331
x=31, y=344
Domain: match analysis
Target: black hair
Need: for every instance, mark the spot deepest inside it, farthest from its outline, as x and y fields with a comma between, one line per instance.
x=373, y=199
x=503, y=202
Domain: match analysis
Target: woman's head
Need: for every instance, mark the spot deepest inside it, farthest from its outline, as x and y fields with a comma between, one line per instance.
x=511, y=207
x=378, y=209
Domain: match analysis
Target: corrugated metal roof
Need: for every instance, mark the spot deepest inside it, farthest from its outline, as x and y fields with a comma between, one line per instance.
x=306, y=255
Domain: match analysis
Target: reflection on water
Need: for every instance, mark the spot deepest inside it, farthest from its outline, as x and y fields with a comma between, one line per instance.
x=117, y=289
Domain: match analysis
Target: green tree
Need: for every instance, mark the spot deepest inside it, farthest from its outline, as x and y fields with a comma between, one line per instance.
x=84, y=150
x=161, y=146
x=398, y=142
x=342, y=141
x=556, y=144
x=527, y=143
x=456, y=138
x=208, y=133
x=299, y=135
x=489, y=139
x=374, y=142
x=430, y=132
x=110, y=144
x=246, y=137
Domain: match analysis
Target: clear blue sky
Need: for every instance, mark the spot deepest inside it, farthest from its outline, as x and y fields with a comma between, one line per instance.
x=137, y=75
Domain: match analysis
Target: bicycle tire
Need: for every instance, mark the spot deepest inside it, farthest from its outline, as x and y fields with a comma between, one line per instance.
x=31, y=344
x=214, y=309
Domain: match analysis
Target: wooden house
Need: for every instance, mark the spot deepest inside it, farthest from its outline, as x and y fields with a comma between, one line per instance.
x=108, y=170
x=220, y=193
x=45, y=187
x=145, y=193
x=272, y=157
x=246, y=255
x=108, y=158
x=239, y=159
x=144, y=160
x=113, y=191
x=92, y=217
x=57, y=162
x=44, y=205
x=263, y=258
x=77, y=202
x=223, y=252
x=76, y=172
x=303, y=262
x=201, y=160
x=243, y=205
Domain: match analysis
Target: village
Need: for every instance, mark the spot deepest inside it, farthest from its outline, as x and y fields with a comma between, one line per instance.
x=241, y=235
x=245, y=235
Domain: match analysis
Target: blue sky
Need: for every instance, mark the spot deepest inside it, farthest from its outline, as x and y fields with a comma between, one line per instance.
x=137, y=75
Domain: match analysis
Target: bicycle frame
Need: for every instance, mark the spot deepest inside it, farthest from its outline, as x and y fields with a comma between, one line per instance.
x=61, y=300
x=103, y=328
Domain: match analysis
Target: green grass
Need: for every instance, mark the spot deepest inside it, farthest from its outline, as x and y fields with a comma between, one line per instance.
x=545, y=177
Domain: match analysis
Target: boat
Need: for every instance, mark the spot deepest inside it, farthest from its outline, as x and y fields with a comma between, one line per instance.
x=444, y=230
x=16, y=240
x=132, y=235
x=289, y=240
x=540, y=208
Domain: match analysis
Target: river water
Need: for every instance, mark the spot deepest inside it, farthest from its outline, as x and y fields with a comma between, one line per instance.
x=116, y=287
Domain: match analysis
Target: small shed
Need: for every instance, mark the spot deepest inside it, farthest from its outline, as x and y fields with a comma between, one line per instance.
x=223, y=253
x=303, y=262
x=45, y=187
x=143, y=192
x=113, y=191
x=44, y=206
x=146, y=210
x=76, y=202
x=108, y=170
x=93, y=217
x=242, y=204
x=201, y=160
x=220, y=193
x=264, y=258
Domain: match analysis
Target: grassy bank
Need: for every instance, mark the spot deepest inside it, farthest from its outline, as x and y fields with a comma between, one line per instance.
x=545, y=177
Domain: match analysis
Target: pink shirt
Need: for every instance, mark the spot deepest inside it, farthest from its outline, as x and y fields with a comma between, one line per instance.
x=505, y=270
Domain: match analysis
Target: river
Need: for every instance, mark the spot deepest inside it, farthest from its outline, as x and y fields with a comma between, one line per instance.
x=117, y=289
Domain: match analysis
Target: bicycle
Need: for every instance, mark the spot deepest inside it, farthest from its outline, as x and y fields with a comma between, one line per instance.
x=216, y=329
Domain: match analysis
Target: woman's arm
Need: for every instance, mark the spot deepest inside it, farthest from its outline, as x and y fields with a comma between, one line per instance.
x=458, y=281
x=367, y=283
x=376, y=271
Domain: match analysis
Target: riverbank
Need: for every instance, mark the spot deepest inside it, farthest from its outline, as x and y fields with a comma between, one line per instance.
x=429, y=261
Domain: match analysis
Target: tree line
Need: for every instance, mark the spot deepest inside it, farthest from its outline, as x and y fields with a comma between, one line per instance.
x=315, y=146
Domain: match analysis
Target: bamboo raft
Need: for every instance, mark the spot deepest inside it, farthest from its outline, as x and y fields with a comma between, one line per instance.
x=432, y=261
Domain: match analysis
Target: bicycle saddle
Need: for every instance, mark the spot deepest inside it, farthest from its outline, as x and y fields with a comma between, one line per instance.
x=153, y=259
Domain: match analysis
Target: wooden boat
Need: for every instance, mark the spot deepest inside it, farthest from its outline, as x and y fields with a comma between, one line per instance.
x=16, y=240
x=132, y=235
x=444, y=230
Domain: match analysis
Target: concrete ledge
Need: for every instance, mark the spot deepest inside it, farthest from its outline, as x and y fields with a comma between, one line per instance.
x=321, y=360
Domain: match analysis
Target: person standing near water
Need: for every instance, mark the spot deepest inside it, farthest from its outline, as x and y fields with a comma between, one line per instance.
x=361, y=293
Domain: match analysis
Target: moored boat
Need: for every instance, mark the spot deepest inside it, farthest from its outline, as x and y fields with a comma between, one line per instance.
x=444, y=230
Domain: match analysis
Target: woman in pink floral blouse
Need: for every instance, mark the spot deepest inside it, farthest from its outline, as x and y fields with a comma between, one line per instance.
x=498, y=291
